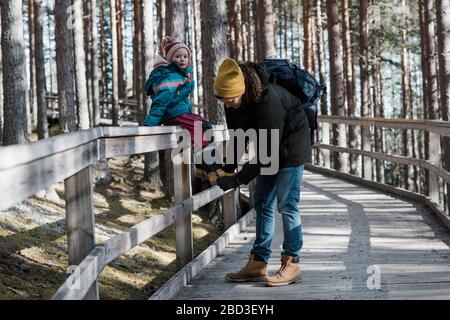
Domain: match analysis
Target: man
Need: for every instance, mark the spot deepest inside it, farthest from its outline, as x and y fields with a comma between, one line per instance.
x=253, y=103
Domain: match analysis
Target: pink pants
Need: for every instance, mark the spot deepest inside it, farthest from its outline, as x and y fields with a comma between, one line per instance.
x=187, y=122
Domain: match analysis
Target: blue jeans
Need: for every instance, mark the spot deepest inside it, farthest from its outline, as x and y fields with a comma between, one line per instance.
x=285, y=186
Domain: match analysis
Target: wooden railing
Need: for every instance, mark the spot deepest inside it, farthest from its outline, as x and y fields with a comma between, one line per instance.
x=27, y=169
x=433, y=165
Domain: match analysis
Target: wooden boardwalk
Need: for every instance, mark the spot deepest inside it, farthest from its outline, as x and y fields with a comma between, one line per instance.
x=349, y=230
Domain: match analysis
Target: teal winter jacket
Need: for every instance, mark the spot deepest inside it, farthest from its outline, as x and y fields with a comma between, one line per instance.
x=169, y=87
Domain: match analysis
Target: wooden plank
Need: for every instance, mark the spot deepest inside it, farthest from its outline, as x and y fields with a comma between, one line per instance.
x=115, y=132
x=13, y=156
x=436, y=169
x=80, y=221
x=230, y=208
x=326, y=140
x=77, y=286
x=434, y=158
x=22, y=181
x=366, y=146
x=121, y=243
x=436, y=126
x=169, y=290
x=182, y=186
x=108, y=251
x=203, y=198
x=123, y=146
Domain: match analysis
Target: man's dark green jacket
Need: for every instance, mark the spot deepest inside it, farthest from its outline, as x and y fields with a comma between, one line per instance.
x=293, y=149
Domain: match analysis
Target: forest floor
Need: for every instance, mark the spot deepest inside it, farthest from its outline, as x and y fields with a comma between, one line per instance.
x=33, y=240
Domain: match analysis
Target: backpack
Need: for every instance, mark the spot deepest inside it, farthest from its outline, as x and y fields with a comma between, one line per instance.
x=300, y=83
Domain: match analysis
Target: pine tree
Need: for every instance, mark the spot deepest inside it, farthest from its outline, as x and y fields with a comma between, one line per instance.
x=364, y=81
x=80, y=66
x=443, y=33
x=64, y=66
x=1, y=86
x=14, y=74
x=214, y=49
x=41, y=90
x=337, y=89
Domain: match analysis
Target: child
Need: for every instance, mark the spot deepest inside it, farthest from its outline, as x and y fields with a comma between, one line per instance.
x=169, y=86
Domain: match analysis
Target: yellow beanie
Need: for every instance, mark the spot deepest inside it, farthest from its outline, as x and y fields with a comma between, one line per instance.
x=230, y=82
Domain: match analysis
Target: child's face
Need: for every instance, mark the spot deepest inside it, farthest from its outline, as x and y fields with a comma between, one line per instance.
x=181, y=57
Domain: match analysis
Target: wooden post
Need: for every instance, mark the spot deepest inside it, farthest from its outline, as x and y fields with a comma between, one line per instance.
x=326, y=140
x=230, y=208
x=367, y=161
x=433, y=181
x=182, y=190
x=80, y=221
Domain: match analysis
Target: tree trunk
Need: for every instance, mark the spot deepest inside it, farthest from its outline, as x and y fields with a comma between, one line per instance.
x=80, y=66
x=121, y=48
x=14, y=74
x=308, y=34
x=425, y=73
x=408, y=175
x=268, y=43
x=87, y=22
x=195, y=56
x=151, y=162
x=364, y=66
x=432, y=87
x=1, y=86
x=42, y=124
x=443, y=32
x=214, y=51
x=413, y=175
x=378, y=108
x=64, y=66
x=321, y=55
x=285, y=29
x=95, y=91
x=337, y=89
x=161, y=13
x=175, y=22
x=257, y=16
x=194, y=39
x=104, y=56
x=115, y=65
x=137, y=63
x=32, y=95
x=174, y=26
x=324, y=154
x=247, y=26
x=234, y=30
x=349, y=81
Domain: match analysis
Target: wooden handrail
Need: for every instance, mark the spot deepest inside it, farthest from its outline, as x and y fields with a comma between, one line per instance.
x=438, y=170
x=26, y=169
x=77, y=285
x=433, y=164
x=437, y=126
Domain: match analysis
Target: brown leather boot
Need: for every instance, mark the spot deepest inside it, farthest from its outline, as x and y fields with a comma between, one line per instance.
x=289, y=273
x=253, y=271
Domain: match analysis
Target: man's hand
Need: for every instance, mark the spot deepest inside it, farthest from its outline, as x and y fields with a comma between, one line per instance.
x=227, y=183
